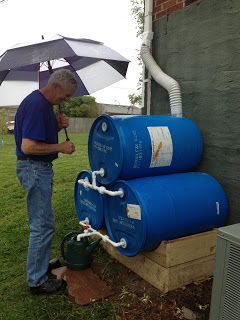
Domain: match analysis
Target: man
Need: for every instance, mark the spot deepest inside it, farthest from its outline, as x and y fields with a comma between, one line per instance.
x=36, y=137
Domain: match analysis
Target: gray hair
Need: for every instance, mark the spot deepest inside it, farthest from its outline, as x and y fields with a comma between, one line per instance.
x=64, y=78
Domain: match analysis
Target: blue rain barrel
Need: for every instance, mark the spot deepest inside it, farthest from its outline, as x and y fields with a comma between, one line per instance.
x=162, y=208
x=88, y=202
x=129, y=147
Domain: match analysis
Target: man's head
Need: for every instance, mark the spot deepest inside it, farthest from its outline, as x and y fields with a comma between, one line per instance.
x=61, y=86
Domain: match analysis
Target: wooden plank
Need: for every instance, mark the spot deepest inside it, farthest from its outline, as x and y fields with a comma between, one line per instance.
x=182, y=250
x=165, y=279
x=186, y=273
x=148, y=270
x=185, y=249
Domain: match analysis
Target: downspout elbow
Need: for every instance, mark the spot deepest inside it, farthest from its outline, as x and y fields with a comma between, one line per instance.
x=164, y=80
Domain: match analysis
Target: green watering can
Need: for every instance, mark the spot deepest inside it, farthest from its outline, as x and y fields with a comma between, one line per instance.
x=77, y=254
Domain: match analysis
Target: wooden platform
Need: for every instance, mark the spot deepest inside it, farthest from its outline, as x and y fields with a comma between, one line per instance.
x=174, y=263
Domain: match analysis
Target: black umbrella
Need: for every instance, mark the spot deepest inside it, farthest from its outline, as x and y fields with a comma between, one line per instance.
x=95, y=65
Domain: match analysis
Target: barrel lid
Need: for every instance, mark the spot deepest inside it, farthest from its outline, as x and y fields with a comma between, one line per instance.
x=125, y=219
x=105, y=149
x=88, y=202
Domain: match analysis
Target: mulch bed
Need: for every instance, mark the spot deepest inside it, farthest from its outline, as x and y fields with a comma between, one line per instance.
x=138, y=300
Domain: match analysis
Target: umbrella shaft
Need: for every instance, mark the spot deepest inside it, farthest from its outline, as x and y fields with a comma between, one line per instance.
x=65, y=130
x=66, y=134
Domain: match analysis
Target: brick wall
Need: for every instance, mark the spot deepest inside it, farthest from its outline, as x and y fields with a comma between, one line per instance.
x=165, y=7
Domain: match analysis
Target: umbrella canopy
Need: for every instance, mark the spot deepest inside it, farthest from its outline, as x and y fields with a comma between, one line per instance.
x=96, y=65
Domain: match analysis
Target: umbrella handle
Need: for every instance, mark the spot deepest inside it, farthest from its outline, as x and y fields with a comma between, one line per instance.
x=65, y=130
x=66, y=134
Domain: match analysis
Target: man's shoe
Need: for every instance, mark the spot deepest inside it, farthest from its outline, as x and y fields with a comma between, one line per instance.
x=49, y=287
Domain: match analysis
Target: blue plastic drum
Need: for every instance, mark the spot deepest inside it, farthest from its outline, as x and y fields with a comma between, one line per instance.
x=162, y=208
x=88, y=202
x=129, y=147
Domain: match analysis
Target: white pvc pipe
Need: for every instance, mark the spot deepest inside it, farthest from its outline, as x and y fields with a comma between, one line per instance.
x=156, y=72
x=90, y=232
x=149, y=94
x=94, y=176
x=147, y=36
x=102, y=190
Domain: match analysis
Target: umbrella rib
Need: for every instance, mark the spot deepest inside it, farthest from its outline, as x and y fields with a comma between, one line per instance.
x=70, y=64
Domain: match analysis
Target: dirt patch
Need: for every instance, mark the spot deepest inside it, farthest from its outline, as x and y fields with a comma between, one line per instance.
x=135, y=299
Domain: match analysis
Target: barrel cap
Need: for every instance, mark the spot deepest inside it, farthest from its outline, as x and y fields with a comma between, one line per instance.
x=105, y=149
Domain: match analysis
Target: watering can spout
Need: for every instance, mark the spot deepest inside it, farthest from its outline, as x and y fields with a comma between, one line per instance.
x=93, y=245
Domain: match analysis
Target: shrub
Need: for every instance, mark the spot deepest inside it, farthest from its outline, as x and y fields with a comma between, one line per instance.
x=83, y=107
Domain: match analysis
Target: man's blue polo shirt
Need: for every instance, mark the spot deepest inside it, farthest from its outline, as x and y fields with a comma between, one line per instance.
x=35, y=119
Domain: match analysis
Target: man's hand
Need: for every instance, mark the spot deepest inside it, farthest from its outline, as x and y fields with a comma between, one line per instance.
x=62, y=120
x=67, y=147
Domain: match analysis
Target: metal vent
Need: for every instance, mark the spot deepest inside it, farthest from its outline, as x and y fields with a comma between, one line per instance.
x=231, y=301
x=225, y=301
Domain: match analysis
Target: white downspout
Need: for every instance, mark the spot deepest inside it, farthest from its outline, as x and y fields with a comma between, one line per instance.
x=156, y=72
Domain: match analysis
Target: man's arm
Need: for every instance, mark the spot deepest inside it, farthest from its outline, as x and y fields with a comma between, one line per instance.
x=34, y=147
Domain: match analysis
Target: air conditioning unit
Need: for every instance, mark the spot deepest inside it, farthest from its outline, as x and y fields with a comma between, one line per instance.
x=225, y=302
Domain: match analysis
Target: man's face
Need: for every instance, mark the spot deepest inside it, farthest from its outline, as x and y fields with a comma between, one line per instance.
x=62, y=94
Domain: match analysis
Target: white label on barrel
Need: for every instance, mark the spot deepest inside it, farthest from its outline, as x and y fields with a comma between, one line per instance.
x=134, y=211
x=162, y=147
x=218, y=207
x=102, y=147
x=88, y=204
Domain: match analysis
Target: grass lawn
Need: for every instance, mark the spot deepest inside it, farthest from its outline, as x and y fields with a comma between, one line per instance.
x=133, y=298
x=15, y=300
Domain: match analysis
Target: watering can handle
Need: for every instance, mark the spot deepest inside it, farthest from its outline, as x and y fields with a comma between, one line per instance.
x=67, y=237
